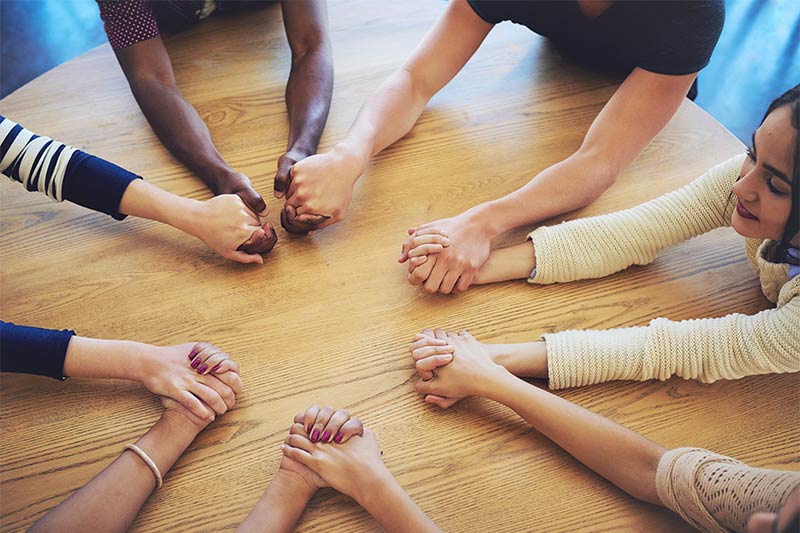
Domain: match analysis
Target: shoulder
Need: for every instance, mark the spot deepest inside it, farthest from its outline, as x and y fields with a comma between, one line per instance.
x=680, y=36
x=773, y=274
x=127, y=22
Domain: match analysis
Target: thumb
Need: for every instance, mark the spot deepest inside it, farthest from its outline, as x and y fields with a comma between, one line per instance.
x=282, y=176
x=253, y=200
x=242, y=257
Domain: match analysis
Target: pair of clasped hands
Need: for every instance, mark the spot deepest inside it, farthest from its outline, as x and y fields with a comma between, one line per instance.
x=240, y=212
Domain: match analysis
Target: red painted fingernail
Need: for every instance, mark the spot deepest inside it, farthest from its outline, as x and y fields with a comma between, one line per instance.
x=195, y=363
x=216, y=367
x=202, y=369
x=326, y=436
x=308, y=429
x=314, y=435
x=192, y=354
x=338, y=438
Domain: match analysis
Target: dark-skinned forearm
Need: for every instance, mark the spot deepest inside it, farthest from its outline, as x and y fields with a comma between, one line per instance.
x=180, y=129
x=308, y=98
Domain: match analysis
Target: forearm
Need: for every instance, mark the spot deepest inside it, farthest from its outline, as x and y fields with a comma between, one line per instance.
x=111, y=500
x=510, y=263
x=180, y=129
x=279, y=508
x=386, y=117
x=144, y=200
x=527, y=359
x=308, y=98
x=568, y=185
x=620, y=455
x=393, y=508
x=107, y=359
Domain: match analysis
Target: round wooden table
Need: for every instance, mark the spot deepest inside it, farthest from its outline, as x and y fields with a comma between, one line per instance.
x=328, y=319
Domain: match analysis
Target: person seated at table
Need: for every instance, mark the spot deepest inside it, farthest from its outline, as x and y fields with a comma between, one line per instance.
x=758, y=194
x=336, y=452
x=134, y=29
x=61, y=172
x=327, y=448
x=198, y=375
x=711, y=492
x=665, y=45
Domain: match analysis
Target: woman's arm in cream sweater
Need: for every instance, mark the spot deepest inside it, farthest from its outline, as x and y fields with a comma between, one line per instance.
x=598, y=246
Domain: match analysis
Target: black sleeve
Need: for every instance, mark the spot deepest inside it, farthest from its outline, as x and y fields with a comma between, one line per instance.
x=684, y=35
x=492, y=11
x=29, y=350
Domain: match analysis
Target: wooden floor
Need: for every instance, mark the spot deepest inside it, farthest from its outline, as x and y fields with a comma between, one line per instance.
x=328, y=318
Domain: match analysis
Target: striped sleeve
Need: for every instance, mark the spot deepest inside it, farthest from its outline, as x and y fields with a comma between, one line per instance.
x=60, y=171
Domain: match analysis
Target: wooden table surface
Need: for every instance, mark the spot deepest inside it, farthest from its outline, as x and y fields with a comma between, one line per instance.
x=327, y=319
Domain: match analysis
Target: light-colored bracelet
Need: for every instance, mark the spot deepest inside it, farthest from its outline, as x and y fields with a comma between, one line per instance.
x=149, y=462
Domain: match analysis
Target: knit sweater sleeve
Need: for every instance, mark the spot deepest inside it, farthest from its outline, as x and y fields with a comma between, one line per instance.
x=598, y=246
x=713, y=492
x=708, y=349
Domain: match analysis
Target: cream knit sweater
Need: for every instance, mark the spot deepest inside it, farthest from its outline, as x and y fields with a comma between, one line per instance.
x=707, y=349
x=716, y=493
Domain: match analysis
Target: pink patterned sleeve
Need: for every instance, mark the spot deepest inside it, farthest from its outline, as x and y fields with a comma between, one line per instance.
x=127, y=22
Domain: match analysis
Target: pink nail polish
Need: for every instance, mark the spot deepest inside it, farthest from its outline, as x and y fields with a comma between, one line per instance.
x=216, y=367
x=195, y=363
x=202, y=369
x=338, y=438
x=308, y=429
x=192, y=354
x=315, y=435
x=326, y=436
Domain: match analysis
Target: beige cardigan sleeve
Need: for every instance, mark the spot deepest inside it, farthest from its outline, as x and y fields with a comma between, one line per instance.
x=716, y=493
x=598, y=246
x=707, y=349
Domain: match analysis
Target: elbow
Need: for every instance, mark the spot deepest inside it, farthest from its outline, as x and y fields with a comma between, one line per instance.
x=146, y=83
x=314, y=44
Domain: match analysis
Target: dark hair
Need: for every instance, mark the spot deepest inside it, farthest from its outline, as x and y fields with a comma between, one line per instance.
x=791, y=98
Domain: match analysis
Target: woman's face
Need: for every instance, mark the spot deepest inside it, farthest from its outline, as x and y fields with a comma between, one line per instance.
x=764, y=192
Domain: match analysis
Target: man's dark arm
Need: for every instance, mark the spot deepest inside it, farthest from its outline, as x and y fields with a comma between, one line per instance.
x=177, y=124
x=308, y=91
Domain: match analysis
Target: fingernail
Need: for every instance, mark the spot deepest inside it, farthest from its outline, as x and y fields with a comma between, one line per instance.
x=195, y=363
x=338, y=438
x=308, y=429
x=217, y=367
x=202, y=369
x=326, y=436
x=192, y=354
x=315, y=435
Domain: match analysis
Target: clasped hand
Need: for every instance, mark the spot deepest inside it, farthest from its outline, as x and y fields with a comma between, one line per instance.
x=451, y=366
x=445, y=255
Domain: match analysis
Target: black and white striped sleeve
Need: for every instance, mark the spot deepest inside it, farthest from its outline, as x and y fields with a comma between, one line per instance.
x=60, y=171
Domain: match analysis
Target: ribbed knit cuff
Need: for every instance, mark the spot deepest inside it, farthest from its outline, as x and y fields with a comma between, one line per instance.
x=577, y=358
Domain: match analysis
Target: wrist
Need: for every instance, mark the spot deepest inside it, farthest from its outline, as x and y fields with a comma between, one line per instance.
x=494, y=383
x=353, y=157
x=293, y=485
x=186, y=215
x=485, y=220
x=374, y=489
x=177, y=423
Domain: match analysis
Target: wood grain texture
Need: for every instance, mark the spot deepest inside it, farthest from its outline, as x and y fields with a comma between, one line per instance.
x=328, y=318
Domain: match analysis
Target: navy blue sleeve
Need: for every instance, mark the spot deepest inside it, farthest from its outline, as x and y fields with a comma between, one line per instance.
x=29, y=350
x=96, y=183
